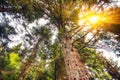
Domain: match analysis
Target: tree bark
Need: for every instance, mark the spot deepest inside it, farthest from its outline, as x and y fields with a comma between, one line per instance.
x=74, y=67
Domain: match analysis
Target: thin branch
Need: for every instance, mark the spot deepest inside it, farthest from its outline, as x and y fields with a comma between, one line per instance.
x=7, y=71
x=73, y=29
x=111, y=69
x=82, y=36
x=85, y=44
x=5, y=9
x=79, y=29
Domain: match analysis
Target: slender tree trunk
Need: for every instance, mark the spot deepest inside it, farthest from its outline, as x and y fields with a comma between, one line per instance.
x=55, y=70
x=26, y=66
x=74, y=67
x=60, y=69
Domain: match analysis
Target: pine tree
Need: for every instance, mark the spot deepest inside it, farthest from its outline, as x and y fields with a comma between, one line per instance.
x=63, y=14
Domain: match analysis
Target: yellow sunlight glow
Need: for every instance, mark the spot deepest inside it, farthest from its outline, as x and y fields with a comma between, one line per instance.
x=94, y=19
x=98, y=19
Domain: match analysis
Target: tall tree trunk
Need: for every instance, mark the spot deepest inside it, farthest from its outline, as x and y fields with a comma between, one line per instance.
x=74, y=67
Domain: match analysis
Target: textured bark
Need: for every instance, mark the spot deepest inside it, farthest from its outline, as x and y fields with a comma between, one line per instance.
x=74, y=67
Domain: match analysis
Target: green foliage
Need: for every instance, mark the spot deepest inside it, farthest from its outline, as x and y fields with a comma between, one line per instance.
x=96, y=65
x=14, y=49
x=14, y=60
x=43, y=31
x=58, y=65
x=10, y=62
x=10, y=67
x=29, y=10
x=47, y=63
x=44, y=67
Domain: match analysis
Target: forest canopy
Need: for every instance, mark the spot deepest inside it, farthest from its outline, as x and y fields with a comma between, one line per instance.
x=57, y=39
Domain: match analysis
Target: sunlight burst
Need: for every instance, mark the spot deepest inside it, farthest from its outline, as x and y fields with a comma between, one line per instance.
x=94, y=19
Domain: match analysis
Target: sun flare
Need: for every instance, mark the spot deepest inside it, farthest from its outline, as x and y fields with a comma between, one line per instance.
x=93, y=19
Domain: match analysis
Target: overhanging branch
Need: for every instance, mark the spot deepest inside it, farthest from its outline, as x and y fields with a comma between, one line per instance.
x=82, y=36
x=6, y=9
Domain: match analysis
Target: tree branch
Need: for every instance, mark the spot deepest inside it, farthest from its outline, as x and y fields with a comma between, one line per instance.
x=82, y=36
x=6, y=9
x=89, y=40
